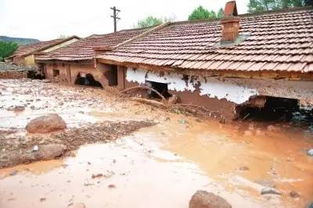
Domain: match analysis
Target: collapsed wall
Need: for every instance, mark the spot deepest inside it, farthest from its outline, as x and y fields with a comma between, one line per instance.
x=75, y=73
x=228, y=96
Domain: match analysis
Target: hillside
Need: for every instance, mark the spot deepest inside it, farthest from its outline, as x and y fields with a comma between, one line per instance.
x=19, y=41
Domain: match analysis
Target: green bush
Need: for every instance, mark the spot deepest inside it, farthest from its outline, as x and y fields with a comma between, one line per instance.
x=149, y=22
x=201, y=13
x=7, y=49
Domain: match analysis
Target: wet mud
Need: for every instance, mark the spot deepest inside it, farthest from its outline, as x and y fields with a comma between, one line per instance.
x=161, y=165
x=29, y=148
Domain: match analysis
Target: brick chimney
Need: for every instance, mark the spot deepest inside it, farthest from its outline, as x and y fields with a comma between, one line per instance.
x=230, y=22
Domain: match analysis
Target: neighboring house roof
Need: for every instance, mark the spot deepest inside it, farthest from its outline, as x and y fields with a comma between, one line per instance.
x=275, y=41
x=84, y=49
x=26, y=50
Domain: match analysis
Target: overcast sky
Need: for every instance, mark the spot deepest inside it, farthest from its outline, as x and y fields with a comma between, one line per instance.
x=48, y=19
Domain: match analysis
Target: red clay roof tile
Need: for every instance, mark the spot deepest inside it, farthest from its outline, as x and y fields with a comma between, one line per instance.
x=25, y=50
x=84, y=49
x=279, y=41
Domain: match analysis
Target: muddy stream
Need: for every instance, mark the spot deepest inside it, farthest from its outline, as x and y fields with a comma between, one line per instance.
x=157, y=166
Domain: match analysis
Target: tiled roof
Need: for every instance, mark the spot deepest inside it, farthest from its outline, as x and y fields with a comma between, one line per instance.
x=277, y=41
x=83, y=49
x=36, y=47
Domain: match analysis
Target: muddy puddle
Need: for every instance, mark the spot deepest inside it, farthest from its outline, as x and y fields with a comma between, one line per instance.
x=163, y=165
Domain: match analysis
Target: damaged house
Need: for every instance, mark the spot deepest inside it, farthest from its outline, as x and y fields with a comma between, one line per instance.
x=25, y=54
x=74, y=64
x=234, y=67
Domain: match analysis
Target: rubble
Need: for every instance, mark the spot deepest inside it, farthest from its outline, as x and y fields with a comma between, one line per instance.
x=270, y=190
x=49, y=151
x=204, y=199
x=16, y=108
x=46, y=124
x=294, y=194
x=111, y=186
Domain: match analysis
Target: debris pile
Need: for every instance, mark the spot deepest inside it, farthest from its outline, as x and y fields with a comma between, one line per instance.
x=25, y=149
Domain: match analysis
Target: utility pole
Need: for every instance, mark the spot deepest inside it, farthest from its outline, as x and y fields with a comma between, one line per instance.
x=115, y=17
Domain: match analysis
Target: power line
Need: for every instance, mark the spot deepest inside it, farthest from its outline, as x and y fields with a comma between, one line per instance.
x=115, y=17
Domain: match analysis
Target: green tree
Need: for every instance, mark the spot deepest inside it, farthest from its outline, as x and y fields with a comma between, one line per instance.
x=262, y=5
x=149, y=22
x=291, y=3
x=7, y=49
x=220, y=13
x=201, y=13
x=308, y=2
x=271, y=5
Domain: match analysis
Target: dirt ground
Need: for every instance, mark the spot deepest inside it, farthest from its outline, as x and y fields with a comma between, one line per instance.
x=154, y=158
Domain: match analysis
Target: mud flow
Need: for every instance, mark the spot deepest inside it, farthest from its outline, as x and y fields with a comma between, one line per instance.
x=157, y=165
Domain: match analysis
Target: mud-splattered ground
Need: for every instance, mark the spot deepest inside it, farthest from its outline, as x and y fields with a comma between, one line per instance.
x=156, y=166
x=19, y=149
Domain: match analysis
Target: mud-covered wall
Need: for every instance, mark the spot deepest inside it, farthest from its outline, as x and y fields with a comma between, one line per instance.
x=69, y=72
x=103, y=73
x=75, y=69
x=212, y=88
x=235, y=90
x=63, y=75
x=222, y=95
x=301, y=90
x=121, y=73
x=190, y=92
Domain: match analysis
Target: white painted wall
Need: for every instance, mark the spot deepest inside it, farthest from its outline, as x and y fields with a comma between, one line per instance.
x=231, y=92
x=211, y=88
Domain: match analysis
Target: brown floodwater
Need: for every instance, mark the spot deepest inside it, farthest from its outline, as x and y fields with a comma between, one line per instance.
x=162, y=165
x=250, y=159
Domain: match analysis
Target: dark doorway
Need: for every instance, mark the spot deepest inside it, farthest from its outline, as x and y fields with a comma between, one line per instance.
x=56, y=72
x=87, y=80
x=273, y=109
x=111, y=75
x=162, y=88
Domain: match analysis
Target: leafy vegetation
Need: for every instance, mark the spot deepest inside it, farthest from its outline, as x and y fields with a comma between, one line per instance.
x=7, y=49
x=255, y=6
x=220, y=13
x=201, y=13
x=149, y=22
